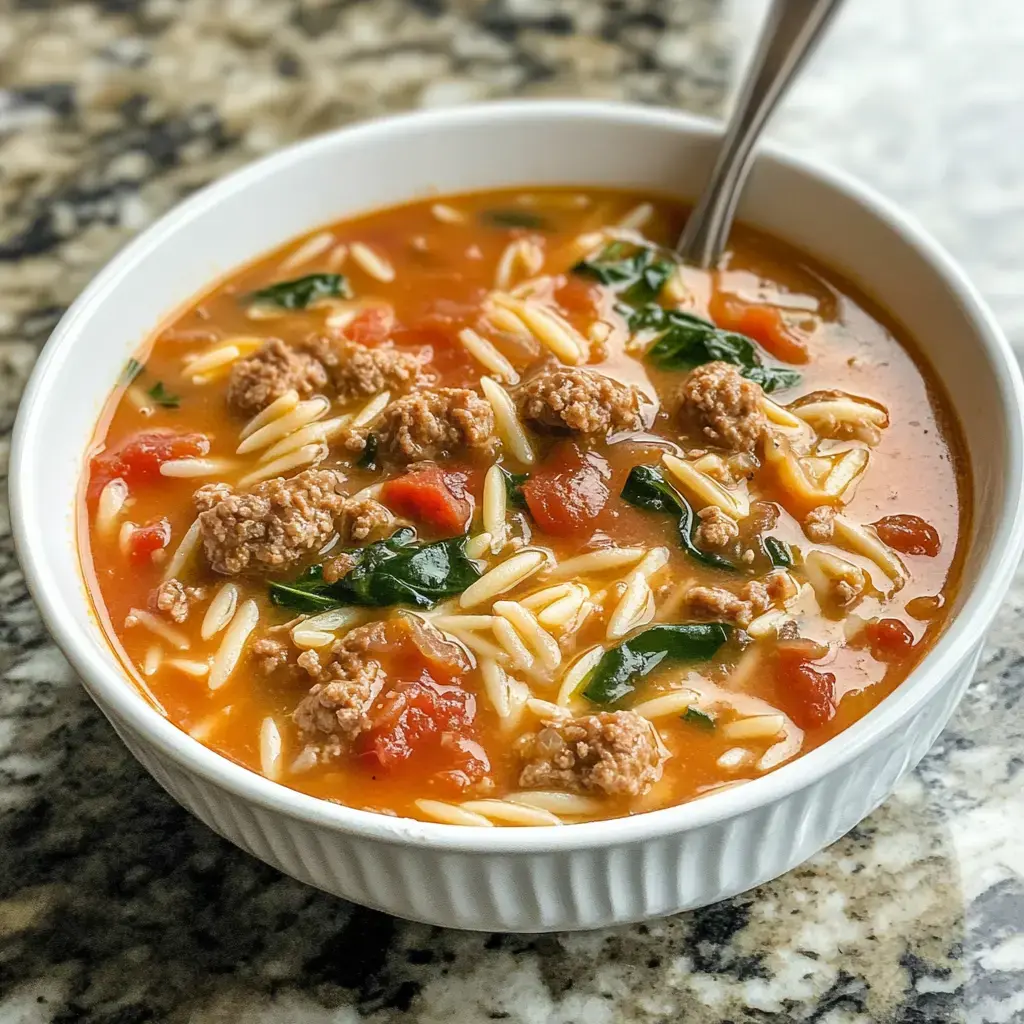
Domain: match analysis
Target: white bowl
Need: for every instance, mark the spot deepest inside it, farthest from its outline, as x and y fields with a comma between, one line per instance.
x=580, y=876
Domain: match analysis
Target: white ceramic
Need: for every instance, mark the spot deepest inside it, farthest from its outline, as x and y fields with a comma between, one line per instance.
x=580, y=876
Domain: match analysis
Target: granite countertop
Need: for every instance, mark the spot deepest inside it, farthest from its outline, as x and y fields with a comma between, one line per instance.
x=117, y=907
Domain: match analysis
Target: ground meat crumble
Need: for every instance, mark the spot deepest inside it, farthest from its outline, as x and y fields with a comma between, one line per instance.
x=335, y=568
x=270, y=372
x=273, y=526
x=753, y=599
x=334, y=712
x=358, y=371
x=615, y=752
x=715, y=529
x=271, y=655
x=173, y=599
x=433, y=424
x=819, y=523
x=724, y=405
x=363, y=519
x=582, y=401
x=280, y=522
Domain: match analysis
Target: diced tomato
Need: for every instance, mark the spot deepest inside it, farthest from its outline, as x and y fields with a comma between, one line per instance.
x=372, y=326
x=805, y=693
x=426, y=727
x=909, y=534
x=139, y=459
x=448, y=357
x=889, y=639
x=447, y=313
x=569, y=491
x=765, y=324
x=577, y=296
x=432, y=497
x=154, y=536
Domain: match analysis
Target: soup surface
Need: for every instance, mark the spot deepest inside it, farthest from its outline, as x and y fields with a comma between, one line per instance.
x=486, y=511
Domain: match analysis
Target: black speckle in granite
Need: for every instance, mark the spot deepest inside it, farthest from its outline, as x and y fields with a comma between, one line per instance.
x=119, y=6
x=846, y=992
x=710, y=945
x=162, y=140
x=38, y=237
x=625, y=20
x=288, y=65
x=315, y=21
x=359, y=957
x=432, y=8
x=936, y=1003
x=356, y=954
x=496, y=20
x=58, y=97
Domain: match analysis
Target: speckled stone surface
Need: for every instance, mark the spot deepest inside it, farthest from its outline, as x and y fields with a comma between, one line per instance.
x=117, y=907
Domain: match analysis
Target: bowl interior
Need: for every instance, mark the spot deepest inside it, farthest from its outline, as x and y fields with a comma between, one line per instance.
x=477, y=148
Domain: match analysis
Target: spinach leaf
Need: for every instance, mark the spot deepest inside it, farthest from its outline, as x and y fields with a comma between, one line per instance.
x=368, y=460
x=686, y=341
x=694, y=716
x=515, y=219
x=302, y=292
x=304, y=595
x=399, y=570
x=647, y=488
x=778, y=551
x=614, y=675
x=514, y=488
x=131, y=370
x=637, y=273
x=163, y=397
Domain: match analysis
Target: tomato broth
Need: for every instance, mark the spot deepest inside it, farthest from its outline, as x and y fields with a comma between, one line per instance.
x=485, y=510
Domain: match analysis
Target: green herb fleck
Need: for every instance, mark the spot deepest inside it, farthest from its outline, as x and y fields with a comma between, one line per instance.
x=647, y=488
x=778, y=551
x=396, y=571
x=615, y=674
x=368, y=460
x=131, y=370
x=302, y=292
x=694, y=716
x=515, y=219
x=514, y=488
x=163, y=397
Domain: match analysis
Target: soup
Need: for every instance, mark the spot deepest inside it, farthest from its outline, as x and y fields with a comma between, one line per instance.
x=487, y=511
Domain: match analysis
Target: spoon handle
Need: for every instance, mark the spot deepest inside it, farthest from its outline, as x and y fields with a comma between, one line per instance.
x=791, y=30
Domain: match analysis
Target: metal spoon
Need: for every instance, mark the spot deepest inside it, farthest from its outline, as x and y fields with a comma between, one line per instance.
x=791, y=30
